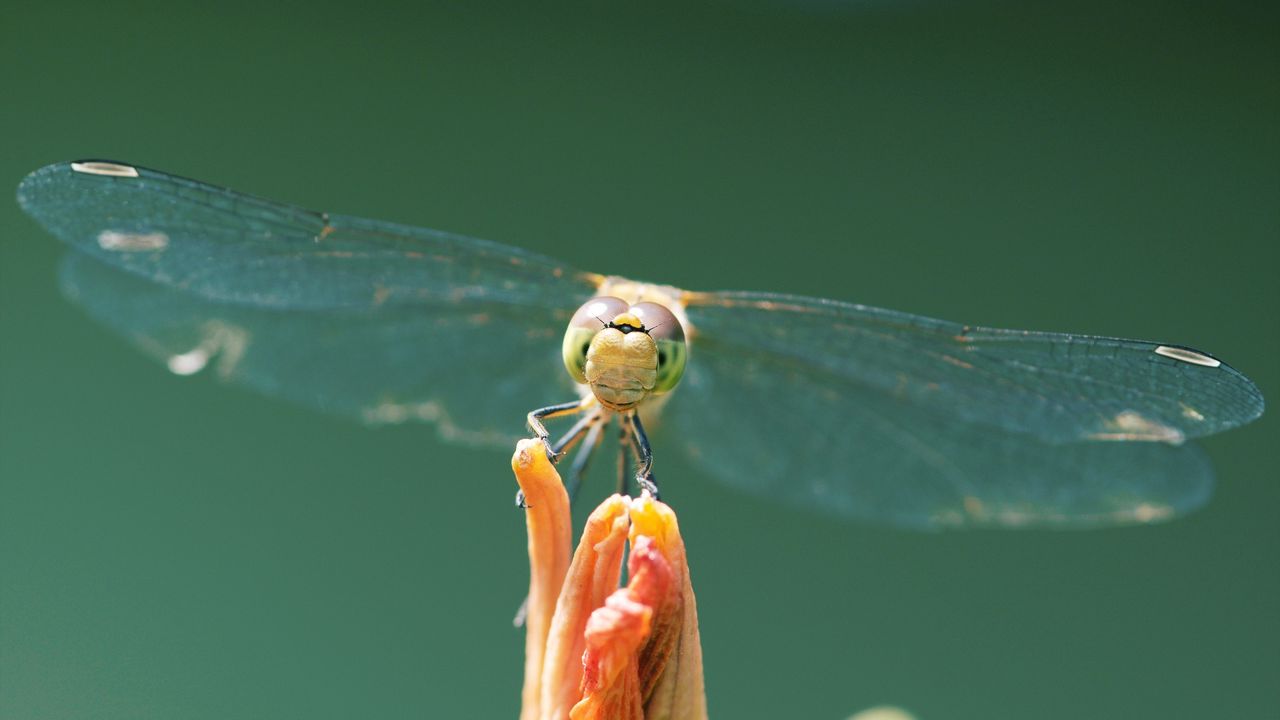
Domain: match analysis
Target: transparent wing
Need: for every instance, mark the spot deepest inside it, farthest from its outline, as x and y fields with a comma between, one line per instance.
x=895, y=419
x=464, y=368
x=235, y=248
x=1056, y=387
x=373, y=320
x=815, y=439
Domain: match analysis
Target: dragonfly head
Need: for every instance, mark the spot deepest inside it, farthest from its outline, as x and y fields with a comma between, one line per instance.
x=624, y=352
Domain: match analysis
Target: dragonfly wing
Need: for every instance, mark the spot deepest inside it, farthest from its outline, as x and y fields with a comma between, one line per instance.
x=815, y=438
x=894, y=418
x=235, y=248
x=372, y=320
x=1056, y=387
x=466, y=368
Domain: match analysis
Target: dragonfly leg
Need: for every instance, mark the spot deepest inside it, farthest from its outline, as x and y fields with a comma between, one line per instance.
x=644, y=456
x=535, y=418
x=624, y=443
x=586, y=427
x=578, y=470
x=566, y=442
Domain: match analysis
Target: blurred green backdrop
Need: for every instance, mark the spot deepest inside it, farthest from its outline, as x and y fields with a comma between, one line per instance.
x=170, y=548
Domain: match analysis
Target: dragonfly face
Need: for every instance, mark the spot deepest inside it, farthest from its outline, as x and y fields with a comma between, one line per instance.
x=624, y=352
x=877, y=415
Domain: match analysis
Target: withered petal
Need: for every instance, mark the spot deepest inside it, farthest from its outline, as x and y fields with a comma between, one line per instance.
x=612, y=680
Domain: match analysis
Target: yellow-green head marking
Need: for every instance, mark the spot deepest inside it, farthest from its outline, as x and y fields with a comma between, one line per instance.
x=624, y=352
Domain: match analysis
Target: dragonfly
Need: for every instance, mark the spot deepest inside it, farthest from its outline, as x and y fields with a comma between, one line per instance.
x=870, y=414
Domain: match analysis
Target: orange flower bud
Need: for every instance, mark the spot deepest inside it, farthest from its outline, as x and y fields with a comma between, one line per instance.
x=603, y=652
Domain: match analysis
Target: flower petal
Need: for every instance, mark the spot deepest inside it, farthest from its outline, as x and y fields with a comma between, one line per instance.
x=550, y=530
x=612, y=675
x=671, y=660
x=596, y=568
x=594, y=651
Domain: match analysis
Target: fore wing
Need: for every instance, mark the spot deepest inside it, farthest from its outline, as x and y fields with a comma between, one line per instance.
x=371, y=320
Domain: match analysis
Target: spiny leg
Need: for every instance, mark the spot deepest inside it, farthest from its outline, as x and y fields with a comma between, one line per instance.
x=644, y=456
x=624, y=440
x=578, y=470
x=566, y=442
x=580, y=429
x=628, y=449
x=534, y=419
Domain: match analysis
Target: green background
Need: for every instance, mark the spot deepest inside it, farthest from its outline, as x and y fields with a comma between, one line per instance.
x=171, y=548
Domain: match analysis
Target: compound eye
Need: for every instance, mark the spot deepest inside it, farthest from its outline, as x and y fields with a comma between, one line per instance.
x=598, y=312
x=659, y=322
x=667, y=333
x=586, y=322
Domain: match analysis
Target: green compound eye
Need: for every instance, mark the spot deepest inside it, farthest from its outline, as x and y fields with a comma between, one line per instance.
x=666, y=331
x=671, y=359
x=586, y=322
x=576, y=342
